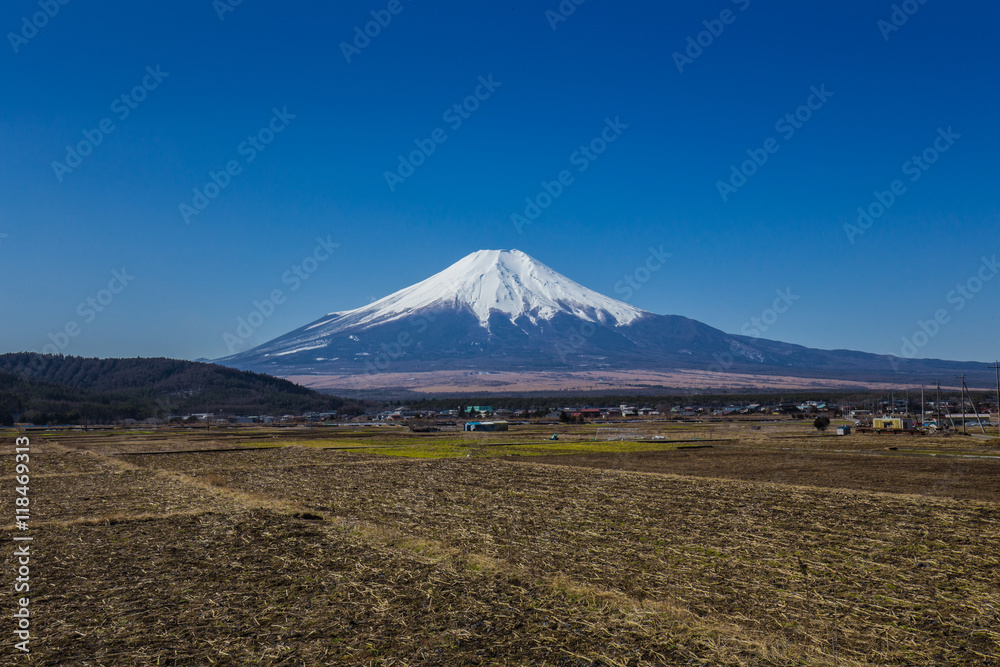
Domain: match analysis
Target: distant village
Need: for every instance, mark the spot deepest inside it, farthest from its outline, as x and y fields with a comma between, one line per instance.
x=930, y=413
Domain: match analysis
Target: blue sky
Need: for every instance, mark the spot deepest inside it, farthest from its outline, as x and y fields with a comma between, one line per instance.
x=197, y=86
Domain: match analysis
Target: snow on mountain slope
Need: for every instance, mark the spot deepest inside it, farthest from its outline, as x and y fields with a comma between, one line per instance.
x=501, y=310
x=487, y=281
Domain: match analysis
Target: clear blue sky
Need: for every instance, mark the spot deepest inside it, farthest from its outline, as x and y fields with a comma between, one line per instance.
x=323, y=175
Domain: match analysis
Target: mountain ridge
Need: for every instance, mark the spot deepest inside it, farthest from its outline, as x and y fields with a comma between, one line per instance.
x=502, y=310
x=45, y=388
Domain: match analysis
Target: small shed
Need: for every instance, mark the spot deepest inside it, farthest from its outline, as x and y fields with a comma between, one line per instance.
x=843, y=430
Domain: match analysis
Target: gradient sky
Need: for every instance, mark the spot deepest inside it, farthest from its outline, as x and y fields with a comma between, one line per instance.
x=323, y=175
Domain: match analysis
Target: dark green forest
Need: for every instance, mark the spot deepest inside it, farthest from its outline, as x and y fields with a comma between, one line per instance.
x=56, y=389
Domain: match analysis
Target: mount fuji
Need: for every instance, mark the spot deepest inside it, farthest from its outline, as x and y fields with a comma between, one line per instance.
x=501, y=311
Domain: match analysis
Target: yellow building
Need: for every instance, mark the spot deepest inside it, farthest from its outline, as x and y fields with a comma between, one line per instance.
x=892, y=423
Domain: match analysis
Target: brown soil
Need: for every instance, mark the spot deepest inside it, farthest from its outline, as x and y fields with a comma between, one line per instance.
x=950, y=476
x=299, y=556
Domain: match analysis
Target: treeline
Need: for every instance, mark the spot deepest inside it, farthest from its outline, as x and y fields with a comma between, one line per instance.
x=56, y=389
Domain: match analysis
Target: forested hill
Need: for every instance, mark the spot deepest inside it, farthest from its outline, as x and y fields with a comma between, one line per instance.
x=58, y=389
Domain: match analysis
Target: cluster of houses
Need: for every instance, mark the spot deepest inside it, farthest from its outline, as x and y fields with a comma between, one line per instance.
x=815, y=408
x=485, y=417
x=244, y=420
x=576, y=412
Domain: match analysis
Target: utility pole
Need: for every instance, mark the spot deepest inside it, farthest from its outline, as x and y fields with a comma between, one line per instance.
x=996, y=367
x=962, y=378
x=950, y=418
x=975, y=411
x=966, y=391
x=937, y=408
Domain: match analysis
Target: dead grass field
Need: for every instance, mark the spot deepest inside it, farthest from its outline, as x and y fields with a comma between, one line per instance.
x=377, y=547
x=950, y=476
x=443, y=382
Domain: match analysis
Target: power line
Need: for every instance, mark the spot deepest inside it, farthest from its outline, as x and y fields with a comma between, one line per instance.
x=965, y=391
x=996, y=367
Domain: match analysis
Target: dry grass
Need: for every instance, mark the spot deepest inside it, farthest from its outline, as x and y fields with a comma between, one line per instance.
x=773, y=559
x=300, y=593
x=213, y=479
x=199, y=559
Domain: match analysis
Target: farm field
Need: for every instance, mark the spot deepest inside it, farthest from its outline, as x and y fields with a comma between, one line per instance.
x=717, y=544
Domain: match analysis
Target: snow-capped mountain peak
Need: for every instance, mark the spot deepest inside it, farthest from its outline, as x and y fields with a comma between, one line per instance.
x=495, y=281
x=500, y=310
